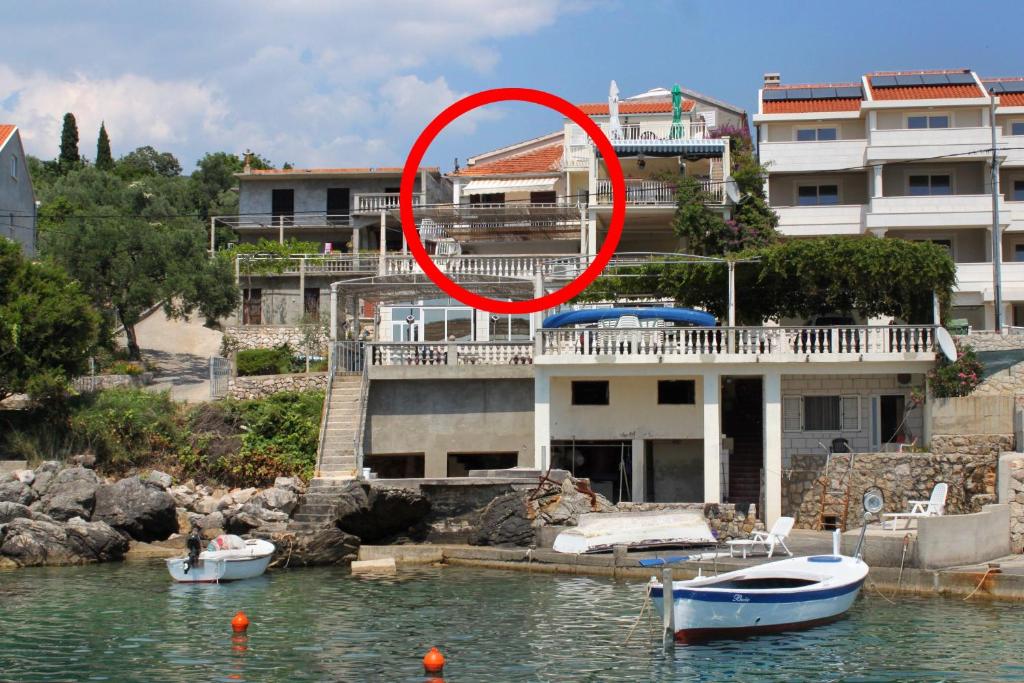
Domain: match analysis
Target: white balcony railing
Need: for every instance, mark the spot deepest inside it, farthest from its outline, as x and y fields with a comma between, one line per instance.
x=977, y=277
x=912, y=211
x=917, y=143
x=525, y=266
x=656, y=130
x=382, y=201
x=451, y=353
x=781, y=343
x=812, y=156
x=640, y=192
x=811, y=221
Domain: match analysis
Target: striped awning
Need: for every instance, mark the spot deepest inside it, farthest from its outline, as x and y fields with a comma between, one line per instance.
x=509, y=185
x=654, y=148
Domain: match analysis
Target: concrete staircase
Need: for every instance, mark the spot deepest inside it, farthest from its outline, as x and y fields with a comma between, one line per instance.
x=316, y=506
x=338, y=460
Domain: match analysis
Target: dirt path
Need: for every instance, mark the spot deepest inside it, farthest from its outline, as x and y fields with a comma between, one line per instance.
x=181, y=350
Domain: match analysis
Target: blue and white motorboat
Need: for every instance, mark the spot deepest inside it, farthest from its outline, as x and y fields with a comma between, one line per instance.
x=227, y=558
x=790, y=594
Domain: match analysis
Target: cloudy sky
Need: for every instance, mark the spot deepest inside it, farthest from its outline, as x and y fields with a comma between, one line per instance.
x=333, y=83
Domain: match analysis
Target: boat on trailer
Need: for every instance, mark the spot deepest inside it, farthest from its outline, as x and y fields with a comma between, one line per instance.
x=226, y=558
x=787, y=595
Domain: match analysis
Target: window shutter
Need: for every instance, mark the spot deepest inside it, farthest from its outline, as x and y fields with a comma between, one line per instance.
x=851, y=413
x=791, y=418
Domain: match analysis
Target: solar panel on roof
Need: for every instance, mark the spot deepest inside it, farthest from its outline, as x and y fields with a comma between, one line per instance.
x=960, y=79
x=799, y=93
x=934, y=79
x=909, y=80
x=849, y=91
x=1000, y=87
x=884, y=81
x=774, y=95
x=823, y=93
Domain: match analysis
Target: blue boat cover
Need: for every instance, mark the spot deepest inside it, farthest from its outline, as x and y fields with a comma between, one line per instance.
x=687, y=316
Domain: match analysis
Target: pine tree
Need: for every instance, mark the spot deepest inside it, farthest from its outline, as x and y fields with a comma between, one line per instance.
x=104, y=160
x=69, y=142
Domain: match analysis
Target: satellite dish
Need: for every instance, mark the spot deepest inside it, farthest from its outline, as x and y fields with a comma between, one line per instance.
x=945, y=340
x=874, y=500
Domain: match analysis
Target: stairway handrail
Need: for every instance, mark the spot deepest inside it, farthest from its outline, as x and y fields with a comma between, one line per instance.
x=364, y=390
x=331, y=371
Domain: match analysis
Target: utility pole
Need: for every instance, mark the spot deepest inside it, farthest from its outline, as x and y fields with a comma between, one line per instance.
x=997, y=243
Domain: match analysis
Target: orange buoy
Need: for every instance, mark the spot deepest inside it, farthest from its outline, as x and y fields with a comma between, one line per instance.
x=240, y=622
x=433, y=661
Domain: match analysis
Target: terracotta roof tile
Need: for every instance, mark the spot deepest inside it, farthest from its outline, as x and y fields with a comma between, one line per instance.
x=811, y=106
x=627, y=107
x=339, y=171
x=545, y=159
x=6, y=129
x=1011, y=99
x=925, y=92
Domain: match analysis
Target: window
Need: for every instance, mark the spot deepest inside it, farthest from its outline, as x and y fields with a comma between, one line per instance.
x=1018, y=253
x=817, y=195
x=311, y=303
x=928, y=121
x=929, y=185
x=491, y=198
x=282, y=206
x=543, y=197
x=676, y=392
x=821, y=413
x=819, y=134
x=14, y=167
x=1018, y=191
x=508, y=327
x=1017, y=128
x=590, y=393
x=252, y=306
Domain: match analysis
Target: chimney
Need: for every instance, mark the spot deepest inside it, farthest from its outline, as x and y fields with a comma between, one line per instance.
x=772, y=78
x=248, y=162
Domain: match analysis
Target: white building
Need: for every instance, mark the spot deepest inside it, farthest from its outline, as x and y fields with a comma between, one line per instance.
x=906, y=155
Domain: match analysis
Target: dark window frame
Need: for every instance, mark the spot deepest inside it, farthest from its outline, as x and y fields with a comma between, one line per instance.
x=668, y=396
x=591, y=392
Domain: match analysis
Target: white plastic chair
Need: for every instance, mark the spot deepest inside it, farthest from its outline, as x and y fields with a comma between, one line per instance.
x=935, y=506
x=766, y=540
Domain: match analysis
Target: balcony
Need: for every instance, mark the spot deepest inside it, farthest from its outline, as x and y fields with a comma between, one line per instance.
x=375, y=202
x=932, y=211
x=737, y=345
x=451, y=353
x=811, y=221
x=812, y=156
x=257, y=222
x=977, y=278
x=1014, y=149
x=915, y=143
x=656, y=130
x=641, y=192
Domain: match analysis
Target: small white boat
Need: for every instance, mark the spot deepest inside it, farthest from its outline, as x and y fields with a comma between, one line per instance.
x=226, y=558
x=601, y=531
x=790, y=594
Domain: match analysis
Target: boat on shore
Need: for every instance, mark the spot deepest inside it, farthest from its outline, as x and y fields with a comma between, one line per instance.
x=791, y=594
x=599, y=532
x=227, y=558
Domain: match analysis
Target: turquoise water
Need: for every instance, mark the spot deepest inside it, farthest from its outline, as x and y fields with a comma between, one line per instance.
x=127, y=622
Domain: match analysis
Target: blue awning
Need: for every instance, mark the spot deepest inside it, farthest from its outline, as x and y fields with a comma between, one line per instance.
x=669, y=148
x=684, y=316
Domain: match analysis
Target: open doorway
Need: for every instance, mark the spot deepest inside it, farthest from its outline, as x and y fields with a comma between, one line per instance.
x=743, y=425
x=607, y=464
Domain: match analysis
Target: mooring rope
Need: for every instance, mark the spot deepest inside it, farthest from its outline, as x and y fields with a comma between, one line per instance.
x=643, y=608
x=978, y=587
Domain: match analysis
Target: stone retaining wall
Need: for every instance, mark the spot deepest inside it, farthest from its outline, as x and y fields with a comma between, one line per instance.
x=982, y=340
x=260, y=386
x=90, y=383
x=901, y=476
x=970, y=444
x=723, y=519
x=1015, y=498
x=263, y=336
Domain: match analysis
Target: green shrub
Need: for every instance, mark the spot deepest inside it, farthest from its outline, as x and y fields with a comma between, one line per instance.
x=123, y=367
x=126, y=427
x=285, y=427
x=275, y=361
x=959, y=378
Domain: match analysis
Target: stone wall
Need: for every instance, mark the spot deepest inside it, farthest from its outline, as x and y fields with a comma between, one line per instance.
x=723, y=519
x=1008, y=382
x=901, y=476
x=263, y=336
x=259, y=386
x=89, y=383
x=970, y=444
x=1015, y=498
x=982, y=340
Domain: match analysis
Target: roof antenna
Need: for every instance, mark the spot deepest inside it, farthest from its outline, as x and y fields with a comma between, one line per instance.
x=456, y=165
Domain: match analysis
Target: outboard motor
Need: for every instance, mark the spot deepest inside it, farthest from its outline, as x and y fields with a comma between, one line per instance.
x=195, y=546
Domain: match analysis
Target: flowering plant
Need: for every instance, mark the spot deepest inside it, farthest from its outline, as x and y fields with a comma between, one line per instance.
x=958, y=378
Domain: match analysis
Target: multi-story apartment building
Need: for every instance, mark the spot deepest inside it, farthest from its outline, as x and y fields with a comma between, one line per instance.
x=905, y=155
x=17, y=198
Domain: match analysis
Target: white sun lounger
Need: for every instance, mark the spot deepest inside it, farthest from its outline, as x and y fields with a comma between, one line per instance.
x=767, y=541
x=935, y=506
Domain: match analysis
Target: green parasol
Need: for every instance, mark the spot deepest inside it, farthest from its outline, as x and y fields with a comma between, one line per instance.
x=677, y=113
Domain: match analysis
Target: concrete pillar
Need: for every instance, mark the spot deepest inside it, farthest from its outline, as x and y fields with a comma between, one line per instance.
x=354, y=312
x=302, y=289
x=541, y=419
x=383, y=243
x=639, y=473
x=772, y=447
x=355, y=241
x=334, y=312
x=876, y=180
x=712, y=438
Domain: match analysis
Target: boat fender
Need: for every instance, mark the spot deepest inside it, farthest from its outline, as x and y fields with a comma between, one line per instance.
x=187, y=566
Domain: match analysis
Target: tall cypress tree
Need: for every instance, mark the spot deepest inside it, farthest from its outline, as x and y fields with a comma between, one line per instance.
x=104, y=160
x=69, y=142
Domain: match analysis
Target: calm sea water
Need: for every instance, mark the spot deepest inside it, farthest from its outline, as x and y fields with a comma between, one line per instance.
x=129, y=623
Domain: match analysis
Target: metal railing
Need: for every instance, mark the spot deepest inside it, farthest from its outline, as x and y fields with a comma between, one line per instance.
x=347, y=357
x=357, y=439
x=451, y=353
x=744, y=341
x=657, y=130
x=655, y=192
x=304, y=219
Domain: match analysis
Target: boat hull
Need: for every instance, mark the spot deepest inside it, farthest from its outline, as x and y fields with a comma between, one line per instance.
x=224, y=565
x=720, y=607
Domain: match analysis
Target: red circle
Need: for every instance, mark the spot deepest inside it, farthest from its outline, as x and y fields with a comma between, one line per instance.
x=468, y=103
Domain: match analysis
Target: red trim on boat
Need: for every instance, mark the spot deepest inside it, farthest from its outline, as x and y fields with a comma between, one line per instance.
x=701, y=635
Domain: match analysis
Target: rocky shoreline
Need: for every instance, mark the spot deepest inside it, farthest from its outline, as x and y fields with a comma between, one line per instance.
x=60, y=514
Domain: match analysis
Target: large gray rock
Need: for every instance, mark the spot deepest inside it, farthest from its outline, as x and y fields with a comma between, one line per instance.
x=71, y=493
x=14, y=491
x=327, y=546
x=161, y=479
x=36, y=542
x=252, y=516
x=505, y=521
x=279, y=499
x=143, y=510
x=44, y=473
x=83, y=460
x=12, y=511
x=378, y=513
x=293, y=484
